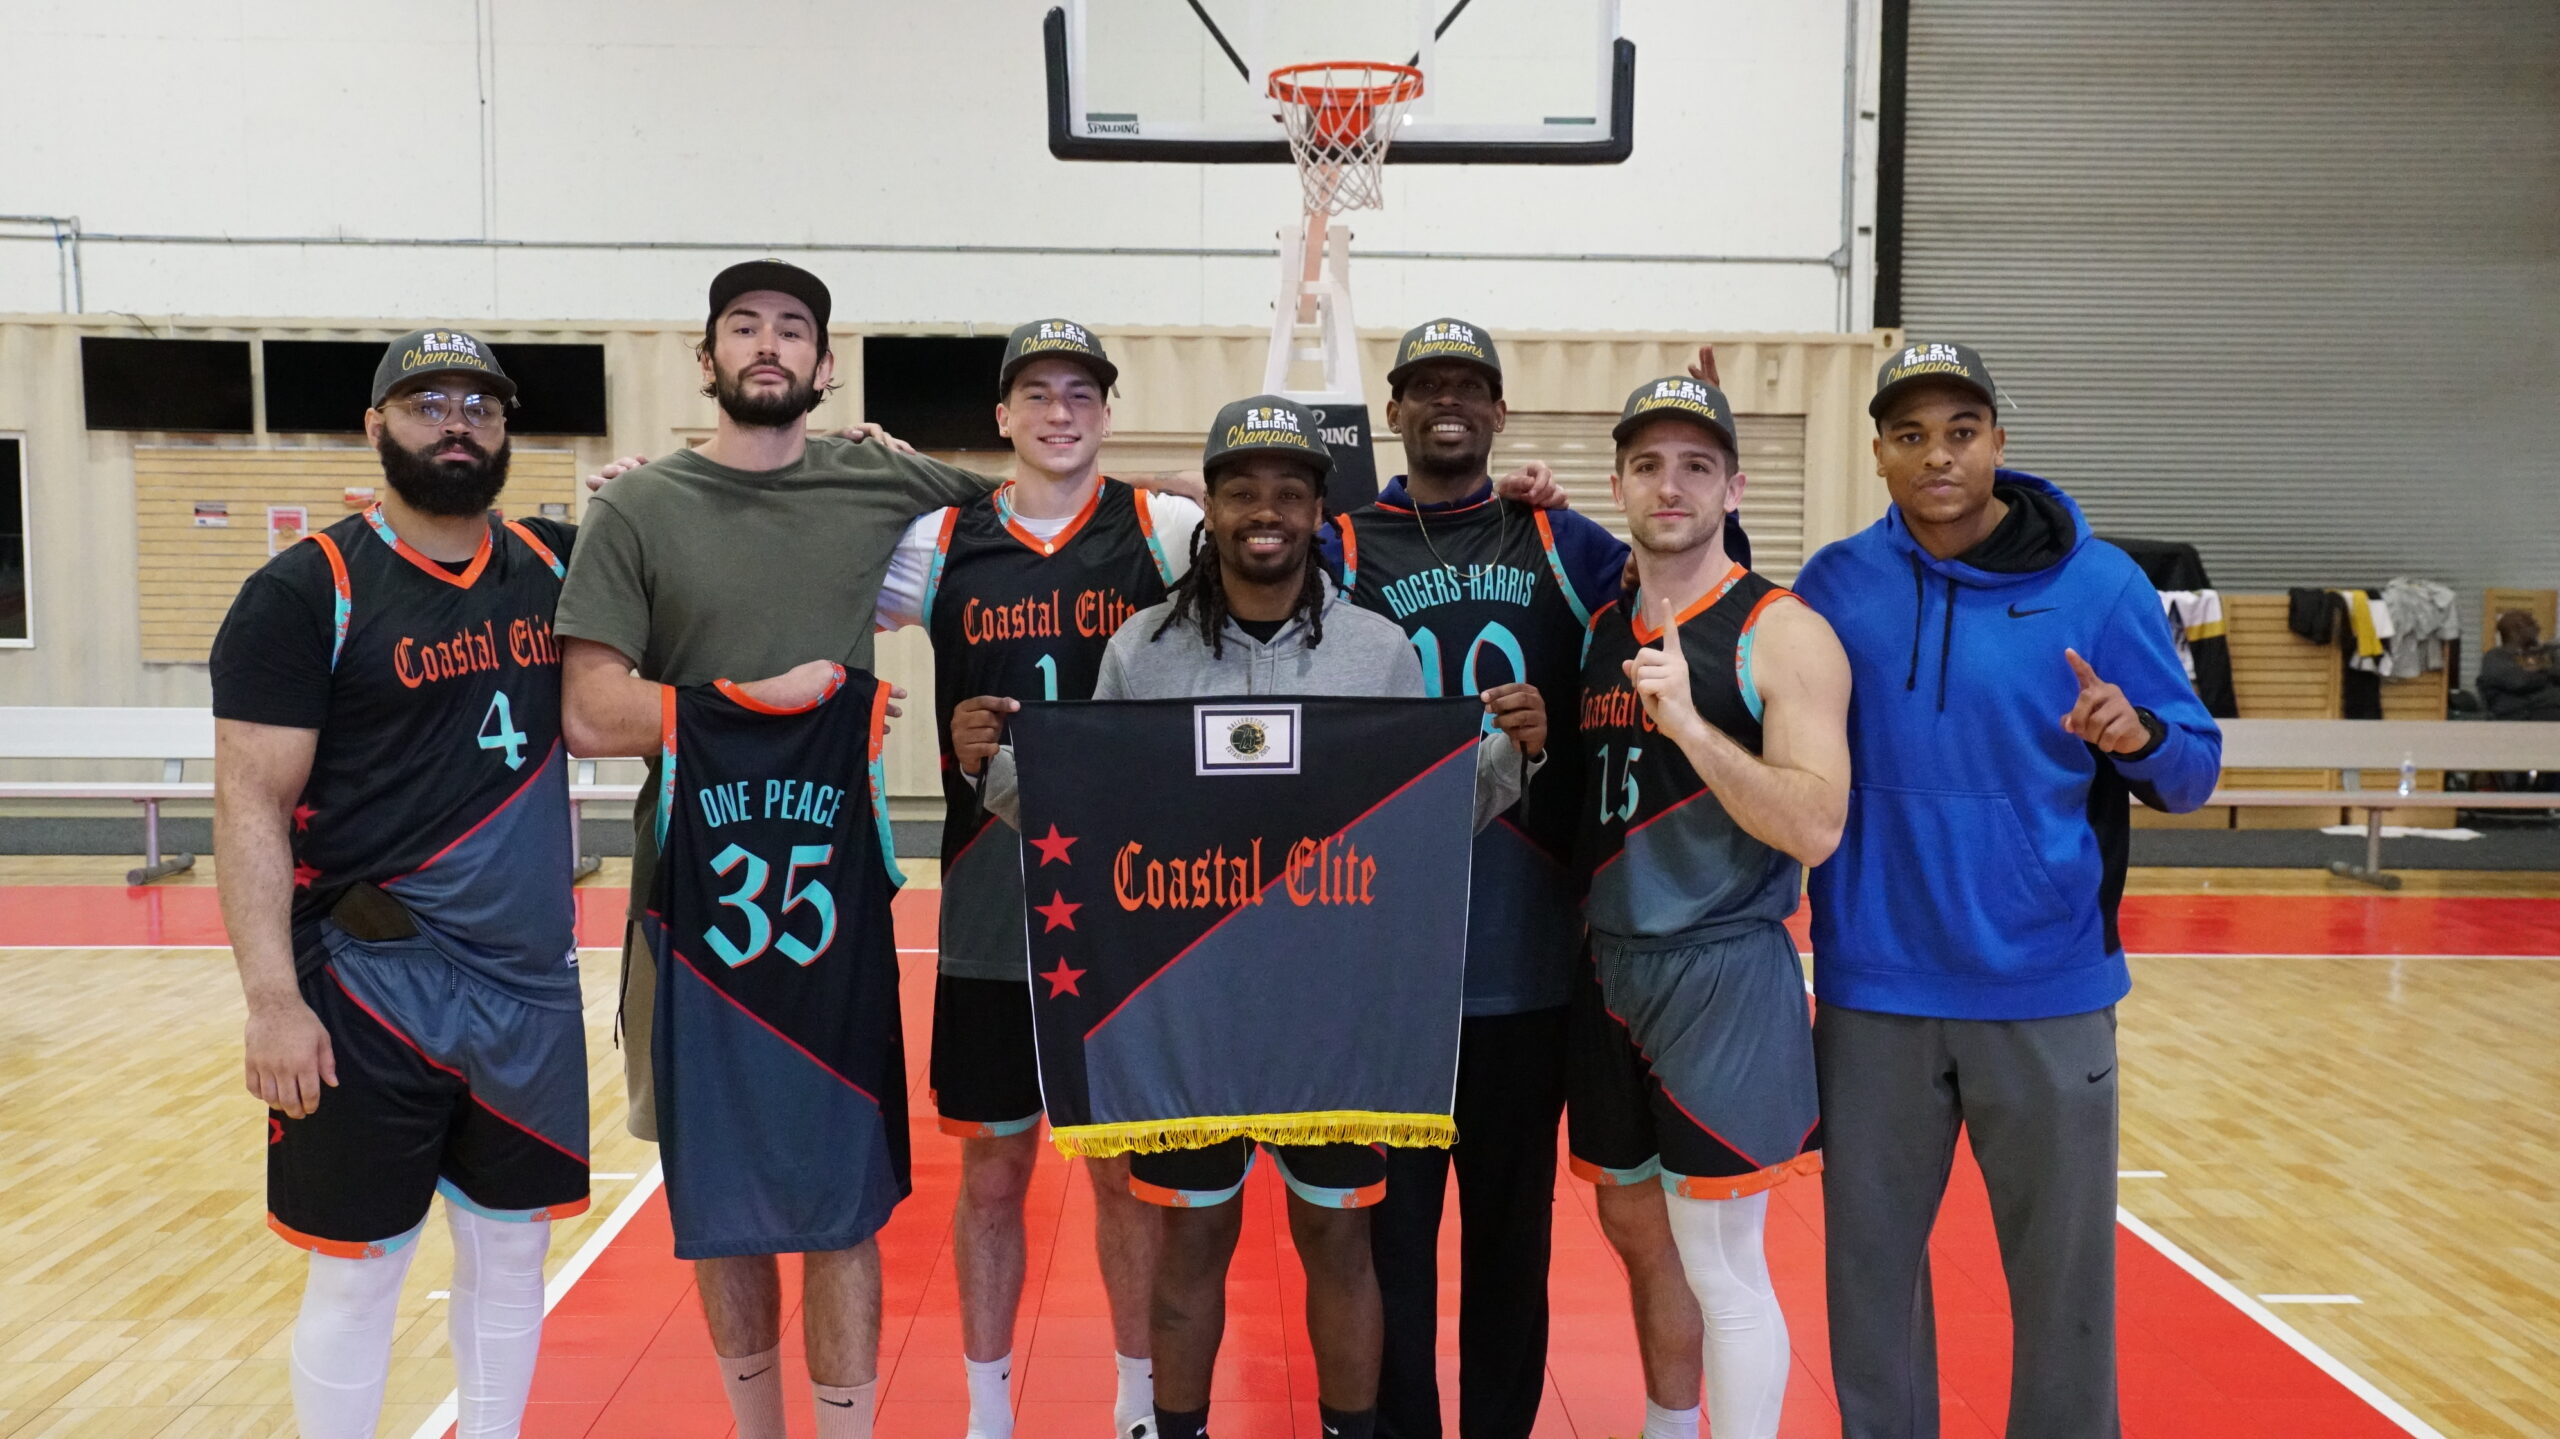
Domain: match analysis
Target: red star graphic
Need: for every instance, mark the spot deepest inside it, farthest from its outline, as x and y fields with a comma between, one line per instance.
x=303, y=874
x=302, y=814
x=1058, y=912
x=1062, y=980
x=1054, y=847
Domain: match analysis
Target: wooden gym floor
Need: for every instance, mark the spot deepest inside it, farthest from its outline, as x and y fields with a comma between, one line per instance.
x=2330, y=1094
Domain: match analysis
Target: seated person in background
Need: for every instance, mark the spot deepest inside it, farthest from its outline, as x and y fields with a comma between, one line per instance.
x=2520, y=679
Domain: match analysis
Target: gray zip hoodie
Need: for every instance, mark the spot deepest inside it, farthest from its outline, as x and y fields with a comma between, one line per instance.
x=1362, y=654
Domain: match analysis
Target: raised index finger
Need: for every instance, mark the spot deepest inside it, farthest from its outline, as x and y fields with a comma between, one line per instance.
x=1667, y=622
x=2088, y=677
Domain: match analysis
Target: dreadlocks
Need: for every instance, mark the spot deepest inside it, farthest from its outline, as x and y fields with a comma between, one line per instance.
x=1201, y=597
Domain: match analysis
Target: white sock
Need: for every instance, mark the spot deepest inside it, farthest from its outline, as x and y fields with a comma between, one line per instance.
x=1746, y=1359
x=342, y=1342
x=497, y=1319
x=754, y=1386
x=990, y=1397
x=1134, y=1407
x=1661, y=1423
x=844, y=1410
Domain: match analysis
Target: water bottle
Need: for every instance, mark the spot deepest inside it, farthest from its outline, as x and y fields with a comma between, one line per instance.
x=2408, y=773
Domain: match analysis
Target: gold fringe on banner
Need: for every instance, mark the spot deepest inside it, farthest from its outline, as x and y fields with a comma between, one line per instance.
x=1334, y=1126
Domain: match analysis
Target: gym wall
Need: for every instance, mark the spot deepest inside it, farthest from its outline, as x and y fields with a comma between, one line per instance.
x=478, y=159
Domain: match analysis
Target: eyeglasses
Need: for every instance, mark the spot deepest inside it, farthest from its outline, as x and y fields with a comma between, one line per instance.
x=435, y=407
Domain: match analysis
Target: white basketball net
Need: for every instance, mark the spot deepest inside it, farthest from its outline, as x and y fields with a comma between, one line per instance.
x=1341, y=116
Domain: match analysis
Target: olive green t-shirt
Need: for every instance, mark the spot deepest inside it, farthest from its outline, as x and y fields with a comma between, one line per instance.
x=700, y=572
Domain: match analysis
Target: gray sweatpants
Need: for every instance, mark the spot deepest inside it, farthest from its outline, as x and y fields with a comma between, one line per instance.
x=2038, y=1098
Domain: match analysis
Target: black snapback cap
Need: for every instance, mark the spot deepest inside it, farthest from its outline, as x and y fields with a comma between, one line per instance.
x=1265, y=424
x=425, y=352
x=748, y=276
x=1676, y=397
x=1054, y=339
x=1446, y=339
x=1921, y=362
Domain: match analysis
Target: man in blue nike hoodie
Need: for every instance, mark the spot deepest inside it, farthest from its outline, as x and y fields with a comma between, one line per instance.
x=2015, y=682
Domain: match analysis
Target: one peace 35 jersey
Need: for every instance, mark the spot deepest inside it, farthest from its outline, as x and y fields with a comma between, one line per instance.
x=780, y=1071
x=1661, y=857
x=1027, y=618
x=1486, y=599
x=439, y=773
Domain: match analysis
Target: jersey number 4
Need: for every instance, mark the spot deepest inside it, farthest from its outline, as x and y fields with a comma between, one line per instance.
x=760, y=935
x=498, y=730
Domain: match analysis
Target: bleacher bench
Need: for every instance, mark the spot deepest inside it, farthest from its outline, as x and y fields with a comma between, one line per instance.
x=2380, y=748
x=171, y=735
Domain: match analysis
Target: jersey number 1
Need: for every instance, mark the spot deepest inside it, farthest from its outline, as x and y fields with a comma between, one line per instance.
x=760, y=935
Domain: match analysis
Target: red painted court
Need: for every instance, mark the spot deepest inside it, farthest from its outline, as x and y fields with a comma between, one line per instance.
x=624, y=1350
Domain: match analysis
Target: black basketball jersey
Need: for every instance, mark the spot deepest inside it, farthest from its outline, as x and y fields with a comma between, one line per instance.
x=1482, y=593
x=1015, y=615
x=1661, y=856
x=439, y=773
x=781, y=1077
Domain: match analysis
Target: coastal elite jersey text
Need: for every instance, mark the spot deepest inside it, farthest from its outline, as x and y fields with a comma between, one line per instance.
x=1508, y=615
x=1693, y=866
x=1015, y=615
x=439, y=774
x=781, y=1077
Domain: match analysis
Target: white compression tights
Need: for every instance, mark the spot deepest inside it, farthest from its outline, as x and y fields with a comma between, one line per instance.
x=342, y=1343
x=497, y=1319
x=1728, y=1270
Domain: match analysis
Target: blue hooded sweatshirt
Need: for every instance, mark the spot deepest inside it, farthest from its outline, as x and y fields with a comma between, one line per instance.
x=1984, y=854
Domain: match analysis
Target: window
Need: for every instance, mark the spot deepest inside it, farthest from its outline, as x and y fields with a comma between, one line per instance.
x=16, y=628
x=323, y=386
x=936, y=392
x=200, y=385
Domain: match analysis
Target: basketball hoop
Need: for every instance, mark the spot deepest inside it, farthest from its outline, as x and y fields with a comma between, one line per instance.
x=1341, y=115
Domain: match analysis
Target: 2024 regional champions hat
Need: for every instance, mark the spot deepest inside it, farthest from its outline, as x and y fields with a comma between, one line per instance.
x=1054, y=340
x=1265, y=424
x=426, y=352
x=1921, y=362
x=1446, y=339
x=1680, y=397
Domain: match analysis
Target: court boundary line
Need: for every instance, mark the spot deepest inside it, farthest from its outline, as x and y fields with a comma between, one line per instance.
x=557, y=1288
x=2292, y=1338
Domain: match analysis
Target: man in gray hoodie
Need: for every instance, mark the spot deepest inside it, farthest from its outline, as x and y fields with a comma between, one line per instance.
x=1255, y=615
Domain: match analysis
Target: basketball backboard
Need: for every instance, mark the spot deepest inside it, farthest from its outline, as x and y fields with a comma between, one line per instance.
x=1515, y=82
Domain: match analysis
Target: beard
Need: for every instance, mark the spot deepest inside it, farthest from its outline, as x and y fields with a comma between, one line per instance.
x=457, y=488
x=765, y=411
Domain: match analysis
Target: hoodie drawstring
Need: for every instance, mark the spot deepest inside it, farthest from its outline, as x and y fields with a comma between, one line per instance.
x=1919, y=603
x=1946, y=635
x=1946, y=644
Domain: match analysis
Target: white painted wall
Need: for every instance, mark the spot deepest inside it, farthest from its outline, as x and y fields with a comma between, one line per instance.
x=912, y=123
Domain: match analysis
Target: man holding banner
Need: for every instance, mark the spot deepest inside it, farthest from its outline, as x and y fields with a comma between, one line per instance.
x=1299, y=891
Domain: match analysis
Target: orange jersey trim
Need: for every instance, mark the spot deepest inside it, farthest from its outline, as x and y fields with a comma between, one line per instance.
x=541, y=550
x=1032, y=542
x=334, y=1248
x=1740, y=1186
x=1647, y=634
x=465, y=580
x=745, y=701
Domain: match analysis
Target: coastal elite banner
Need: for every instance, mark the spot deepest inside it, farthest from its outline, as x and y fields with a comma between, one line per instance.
x=1247, y=916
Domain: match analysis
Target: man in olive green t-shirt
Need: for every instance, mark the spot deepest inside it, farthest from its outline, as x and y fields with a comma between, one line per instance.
x=759, y=554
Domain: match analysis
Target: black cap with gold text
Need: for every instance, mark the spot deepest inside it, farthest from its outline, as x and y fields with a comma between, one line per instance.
x=781, y=276
x=427, y=352
x=1265, y=425
x=1446, y=339
x=1922, y=362
x=1676, y=397
x=1054, y=340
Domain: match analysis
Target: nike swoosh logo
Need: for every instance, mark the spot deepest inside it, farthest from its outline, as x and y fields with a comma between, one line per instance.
x=743, y=1378
x=2101, y=1074
x=839, y=1403
x=2016, y=613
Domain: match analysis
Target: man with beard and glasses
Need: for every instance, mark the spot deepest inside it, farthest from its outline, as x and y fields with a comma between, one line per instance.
x=1257, y=615
x=392, y=810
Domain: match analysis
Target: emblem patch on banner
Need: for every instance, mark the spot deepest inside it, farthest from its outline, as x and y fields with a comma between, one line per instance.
x=1245, y=739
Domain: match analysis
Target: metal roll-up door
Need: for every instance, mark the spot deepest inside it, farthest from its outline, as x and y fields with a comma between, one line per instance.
x=2281, y=279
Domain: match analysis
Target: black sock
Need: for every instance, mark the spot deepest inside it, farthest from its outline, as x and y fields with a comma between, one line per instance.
x=1186, y=1423
x=1348, y=1423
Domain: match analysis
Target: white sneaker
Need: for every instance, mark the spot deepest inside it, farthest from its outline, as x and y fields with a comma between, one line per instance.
x=1143, y=1429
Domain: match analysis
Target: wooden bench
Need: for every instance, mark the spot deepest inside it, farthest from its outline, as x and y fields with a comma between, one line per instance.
x=172, y=736
x=2357, y=747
